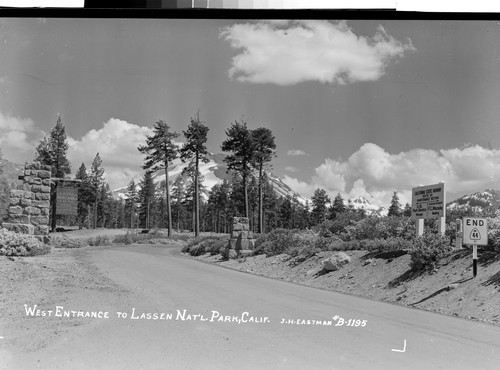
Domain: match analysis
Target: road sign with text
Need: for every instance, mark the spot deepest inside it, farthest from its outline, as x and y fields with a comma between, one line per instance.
x=475, y=231
x=67, y=201
x=427, y=201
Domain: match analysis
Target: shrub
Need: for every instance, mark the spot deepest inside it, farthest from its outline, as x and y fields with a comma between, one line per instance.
x=373, y=227
x=98, y=240
x=337, y=226
x=213, y=244
x=276, y=242
x=427, y=250
x=13, y=244
x=126, y=239
x=494, y=239
x=65, y=242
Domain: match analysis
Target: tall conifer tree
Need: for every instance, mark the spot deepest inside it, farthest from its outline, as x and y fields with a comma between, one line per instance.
x=160, y=151
x=263, y=151
x=195, y=150
x=239, y=144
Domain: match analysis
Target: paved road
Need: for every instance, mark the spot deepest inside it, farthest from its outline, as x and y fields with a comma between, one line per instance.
x=251, y=334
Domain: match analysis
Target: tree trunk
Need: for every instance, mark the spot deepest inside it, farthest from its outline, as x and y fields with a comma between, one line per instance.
x=197, y=201
x=53, y=200
x=167, y=191
x=261, y=218
x=245, y=190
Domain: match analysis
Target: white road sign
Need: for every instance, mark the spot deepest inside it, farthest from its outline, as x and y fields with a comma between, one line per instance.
x=427, y=201
x=475, y=231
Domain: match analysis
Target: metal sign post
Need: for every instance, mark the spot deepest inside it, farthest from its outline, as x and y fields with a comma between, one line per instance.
x=474, y=260
x=475, y=232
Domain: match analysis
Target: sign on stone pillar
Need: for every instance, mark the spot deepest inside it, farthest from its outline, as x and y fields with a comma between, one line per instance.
x=66, y=200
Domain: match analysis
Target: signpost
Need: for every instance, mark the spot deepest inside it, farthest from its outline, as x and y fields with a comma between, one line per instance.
x=428, y=202
x=67, y=201
x=475, y=232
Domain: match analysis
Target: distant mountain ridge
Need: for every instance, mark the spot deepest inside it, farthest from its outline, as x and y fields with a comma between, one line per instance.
x=478, y=202
x=370, y=208
x=213, y=172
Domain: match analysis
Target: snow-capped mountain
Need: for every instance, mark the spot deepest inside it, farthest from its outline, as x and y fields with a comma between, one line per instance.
x=478, y=201
x=213, y=172
x=371, y=209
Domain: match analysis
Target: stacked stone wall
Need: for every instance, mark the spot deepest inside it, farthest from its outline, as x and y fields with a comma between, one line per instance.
x=242, y=241
x=29, y=206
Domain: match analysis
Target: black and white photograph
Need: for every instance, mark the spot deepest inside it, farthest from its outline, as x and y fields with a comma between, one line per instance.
x=225, y=191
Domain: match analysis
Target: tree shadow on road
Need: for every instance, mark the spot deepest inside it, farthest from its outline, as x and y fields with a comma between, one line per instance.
x=437, y=292
x=493, y=280
x=407, y=276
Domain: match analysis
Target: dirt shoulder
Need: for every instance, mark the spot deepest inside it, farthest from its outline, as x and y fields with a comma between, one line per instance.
x=65, y=277
x=449, y=290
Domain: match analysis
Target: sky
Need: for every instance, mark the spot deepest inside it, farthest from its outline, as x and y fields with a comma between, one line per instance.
x=358, y=107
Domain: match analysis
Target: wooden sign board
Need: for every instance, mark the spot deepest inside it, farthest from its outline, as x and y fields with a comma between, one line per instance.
x=428, y=201
x=67, y=201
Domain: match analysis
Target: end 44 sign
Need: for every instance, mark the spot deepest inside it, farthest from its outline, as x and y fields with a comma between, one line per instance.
x=475, y=231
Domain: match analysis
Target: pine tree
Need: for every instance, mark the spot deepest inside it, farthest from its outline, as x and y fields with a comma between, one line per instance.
x=4, y=190
x=263, y=151
x=271, y=217
x=337, y=207
x=52, y=151
x=407, y=210
x=395, y=207
x=239, y=144
x=160, y=151
x=178, y=199
x=194, y=190
x=286, y=213
x=85, y=195
x=195, y=150
x=96, y=180
x=319, y=201
x=130, y=202
x=146, y=199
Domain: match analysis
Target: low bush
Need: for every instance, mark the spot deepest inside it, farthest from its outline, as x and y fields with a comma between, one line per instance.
x=427, y=250
x=128, y=238
x=494, y=239
x=99, y=240
x=13, y=244
x=213, y=244
x=65, y=242
x=276, y=242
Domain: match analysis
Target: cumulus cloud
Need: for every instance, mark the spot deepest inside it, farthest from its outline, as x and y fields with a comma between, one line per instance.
x=293, y=52
x=116, y=142
x=296, y=152
x=17, y=137
x=374, y=173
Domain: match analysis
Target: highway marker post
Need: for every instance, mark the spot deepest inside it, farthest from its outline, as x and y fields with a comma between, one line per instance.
x=475, y=232
x=458, y=234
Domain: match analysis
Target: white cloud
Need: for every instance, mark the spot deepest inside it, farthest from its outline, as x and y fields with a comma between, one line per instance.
x=17, y=137
x=291, y=169
x=301, y=187
x=294, y=52
x=375, y=174
x=295, y=152
x=116, y=142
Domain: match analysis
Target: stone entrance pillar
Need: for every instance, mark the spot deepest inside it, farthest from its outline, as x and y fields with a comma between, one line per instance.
x=30, y=203
x=242, y=242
